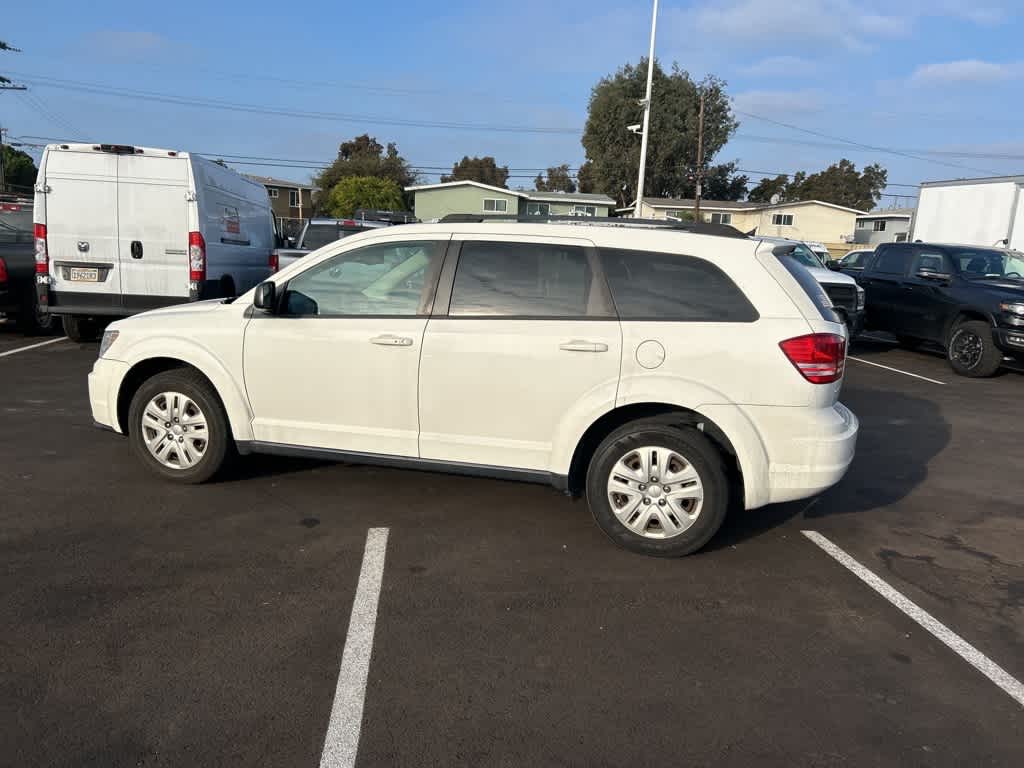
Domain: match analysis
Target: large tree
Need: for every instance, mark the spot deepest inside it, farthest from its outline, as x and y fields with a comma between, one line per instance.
x=841, y=183
x=721, y=182
x=365, y=156
x=585, y=178
x=19, y=170
x=614, y=152
x=355, y=192
x=482, y=169
x=558, y=180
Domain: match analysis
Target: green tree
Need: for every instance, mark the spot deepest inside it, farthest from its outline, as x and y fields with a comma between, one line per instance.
x=721, y=182
x=768, y=187
x=558, y=180
x=355, y=192
x=585, y=177
x=841, y=184
x=614, y=152
x=365, y=156
x=19, y=170
x=482, y=169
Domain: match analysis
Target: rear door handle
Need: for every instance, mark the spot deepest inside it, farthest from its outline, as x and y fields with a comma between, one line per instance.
x=390, y=340
x=583, y=346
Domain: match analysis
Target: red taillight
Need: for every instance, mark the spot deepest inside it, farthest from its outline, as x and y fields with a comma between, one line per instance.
x=349, y=223
x=3, y=271
x=196, y=258
x=42, y=254
x=275, y=262
x=820, y=357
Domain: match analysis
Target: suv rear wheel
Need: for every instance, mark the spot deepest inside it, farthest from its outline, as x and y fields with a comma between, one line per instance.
x=972, y=351
x=178, y=427
x=658, y=489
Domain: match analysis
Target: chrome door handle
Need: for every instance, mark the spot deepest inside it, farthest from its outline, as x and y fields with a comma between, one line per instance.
x=390, y=340
x=583, y=346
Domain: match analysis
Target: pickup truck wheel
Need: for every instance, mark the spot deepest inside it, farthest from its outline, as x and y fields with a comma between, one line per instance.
x=972, y=351
x=658, y=489
x=178, y=427
x=80, y=329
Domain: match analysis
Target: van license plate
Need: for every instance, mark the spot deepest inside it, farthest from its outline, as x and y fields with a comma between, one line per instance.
x=83, y=275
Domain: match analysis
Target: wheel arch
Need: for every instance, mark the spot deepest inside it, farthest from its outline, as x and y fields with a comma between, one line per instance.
x=965, y=313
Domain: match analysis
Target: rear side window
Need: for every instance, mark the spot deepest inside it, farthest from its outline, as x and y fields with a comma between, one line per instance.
x=496, y=279
x=667, y=286
x=892, y=261
x=806, y=280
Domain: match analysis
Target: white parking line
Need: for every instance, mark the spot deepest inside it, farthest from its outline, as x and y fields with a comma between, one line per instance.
x=895, y=370
x=968, y=652
x=32, y=346
x=342, y=739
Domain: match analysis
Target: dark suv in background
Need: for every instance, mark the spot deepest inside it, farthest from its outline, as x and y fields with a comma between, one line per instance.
x=966, y=298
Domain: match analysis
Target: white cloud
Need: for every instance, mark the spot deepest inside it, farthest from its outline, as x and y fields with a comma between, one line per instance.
x=965, y=71
x=773, y=66
x=780, y=103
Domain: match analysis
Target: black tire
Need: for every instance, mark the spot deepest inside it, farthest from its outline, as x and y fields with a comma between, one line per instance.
x=219, y=448
x=227, y=287
x=695, y=448
x=33, y=321
x=80, y=329
x=972, y=351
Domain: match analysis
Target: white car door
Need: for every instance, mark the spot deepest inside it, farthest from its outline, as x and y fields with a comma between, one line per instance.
x=336, y=366
x=529, y=339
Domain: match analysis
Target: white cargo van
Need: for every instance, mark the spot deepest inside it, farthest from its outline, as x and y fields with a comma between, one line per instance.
x=122, y=229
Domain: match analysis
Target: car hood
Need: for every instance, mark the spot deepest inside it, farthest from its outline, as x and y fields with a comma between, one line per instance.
x=827, y=276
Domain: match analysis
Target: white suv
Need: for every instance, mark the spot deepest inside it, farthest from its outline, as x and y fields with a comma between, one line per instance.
x=654, y=369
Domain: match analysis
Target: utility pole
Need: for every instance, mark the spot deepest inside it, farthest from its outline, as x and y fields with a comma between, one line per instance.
x=3, y=177
x=700, y=158
x=647, y=117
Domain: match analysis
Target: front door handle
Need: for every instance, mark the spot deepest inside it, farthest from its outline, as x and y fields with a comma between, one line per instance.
x=390, y=340
x=577, y=345
x=136, y=249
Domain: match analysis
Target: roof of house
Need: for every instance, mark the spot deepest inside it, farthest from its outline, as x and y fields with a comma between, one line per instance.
x=269, y=181
x=889, y=213
x=541, y=197
x=450, y=184
x=737, y=205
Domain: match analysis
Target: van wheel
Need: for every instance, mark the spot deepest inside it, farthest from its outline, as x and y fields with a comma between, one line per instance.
x=227, y=287
x=80, y=329
x=178, y=427
x=658, y=489
x=33, y=320
x=972, y=351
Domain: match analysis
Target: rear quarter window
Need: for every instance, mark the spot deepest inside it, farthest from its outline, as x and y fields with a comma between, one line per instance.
x=806, y=281
x=667, y=286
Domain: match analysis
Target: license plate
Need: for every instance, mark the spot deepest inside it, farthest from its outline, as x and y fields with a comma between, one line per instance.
x=85, y=275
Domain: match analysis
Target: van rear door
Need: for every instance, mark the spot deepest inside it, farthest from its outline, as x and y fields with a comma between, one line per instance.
x=81, y=229
x=153, y=230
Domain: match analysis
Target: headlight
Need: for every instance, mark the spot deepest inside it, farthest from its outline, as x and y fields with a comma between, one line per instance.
x=861, y=301
x=1013, y=307
x=109, y=337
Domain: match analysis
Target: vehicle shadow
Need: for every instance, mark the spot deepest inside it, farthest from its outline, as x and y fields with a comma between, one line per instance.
x=259, y=465
x=899, y=436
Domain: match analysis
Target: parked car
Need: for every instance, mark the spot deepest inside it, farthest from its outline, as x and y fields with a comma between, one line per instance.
x=122, y=229
x=18, y=297
x=655, y=370
x=820, y=251
x=316, y=233
x=842, y=290
x=852, y=263
x=968, y=299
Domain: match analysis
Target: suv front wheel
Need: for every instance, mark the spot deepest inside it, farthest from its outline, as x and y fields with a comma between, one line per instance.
x=658, y=489
x=972, y=351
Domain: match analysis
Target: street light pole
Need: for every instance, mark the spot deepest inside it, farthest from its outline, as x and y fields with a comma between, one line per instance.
x=647, y=118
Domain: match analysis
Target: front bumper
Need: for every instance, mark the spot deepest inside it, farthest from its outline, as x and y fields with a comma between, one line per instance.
x=104, y=385
x=1010, y=340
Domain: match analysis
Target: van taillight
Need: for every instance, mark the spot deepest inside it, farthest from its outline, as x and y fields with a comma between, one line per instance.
x=275, y=262
x=820, y=357
x=196, y=260
x=42, y=254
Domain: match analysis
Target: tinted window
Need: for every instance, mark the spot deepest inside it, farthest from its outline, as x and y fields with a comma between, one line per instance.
x=666, y=286
x=523, y=280
x=892, y=261
x=931, y=260
x=855, y=259
x=385, y=279
x=806, y=280
x=319, y=235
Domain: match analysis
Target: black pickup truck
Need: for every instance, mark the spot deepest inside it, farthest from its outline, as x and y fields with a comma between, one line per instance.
x=18, y=269
x=968, y=299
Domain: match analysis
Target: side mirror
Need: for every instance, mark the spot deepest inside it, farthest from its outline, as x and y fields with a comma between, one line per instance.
x=266, y=297
x=835, y=266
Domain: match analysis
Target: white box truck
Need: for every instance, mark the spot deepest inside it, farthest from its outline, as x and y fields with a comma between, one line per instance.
x=983, y=212
x=122, y=229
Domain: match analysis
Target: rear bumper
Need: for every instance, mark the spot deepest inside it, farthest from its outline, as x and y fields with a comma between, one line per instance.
x=107, y=304
x=104, y=384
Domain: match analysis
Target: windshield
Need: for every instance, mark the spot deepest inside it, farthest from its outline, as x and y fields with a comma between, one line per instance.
x=976, y=263
x=805, y=256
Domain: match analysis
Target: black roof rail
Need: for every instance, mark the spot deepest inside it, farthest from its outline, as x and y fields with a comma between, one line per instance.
x=694, y=227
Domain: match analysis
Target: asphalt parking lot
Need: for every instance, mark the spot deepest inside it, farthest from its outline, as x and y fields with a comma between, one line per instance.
x=144, y=624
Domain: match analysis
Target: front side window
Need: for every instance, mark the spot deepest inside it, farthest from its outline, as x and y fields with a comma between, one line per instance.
x=668, y=286
x=880, y=225
x=389, y=279
x=495, y=205
x=537, y=209
x=524, y=280
x=782, y=219
x=293, y=198
x=983, y=262
x=721, y=218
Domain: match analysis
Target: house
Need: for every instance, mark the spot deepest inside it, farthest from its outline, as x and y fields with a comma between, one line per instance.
x=887, y=226
x=812, y=220
x=433, y=201
x=289, y=200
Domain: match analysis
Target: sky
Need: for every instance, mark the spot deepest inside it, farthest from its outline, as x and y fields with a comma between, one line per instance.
x=930, y=89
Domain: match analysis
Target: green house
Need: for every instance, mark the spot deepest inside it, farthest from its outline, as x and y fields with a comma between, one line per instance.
x=433, y=201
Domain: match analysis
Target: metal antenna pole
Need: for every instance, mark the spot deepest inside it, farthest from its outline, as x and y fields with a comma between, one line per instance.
x=637, y=211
